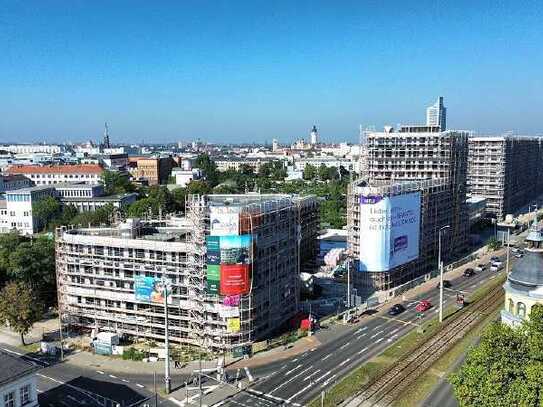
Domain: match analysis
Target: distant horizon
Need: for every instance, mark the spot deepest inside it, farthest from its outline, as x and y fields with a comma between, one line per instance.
x=244, y=71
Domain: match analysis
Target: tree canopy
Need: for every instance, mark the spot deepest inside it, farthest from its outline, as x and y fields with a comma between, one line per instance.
x=115, y=182
x=505, y=368
x=18, y=306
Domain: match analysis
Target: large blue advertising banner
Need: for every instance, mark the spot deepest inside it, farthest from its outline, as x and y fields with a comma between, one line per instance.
x=149, y=289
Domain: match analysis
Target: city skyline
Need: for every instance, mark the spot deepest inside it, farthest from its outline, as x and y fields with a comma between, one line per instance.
x=243, y=73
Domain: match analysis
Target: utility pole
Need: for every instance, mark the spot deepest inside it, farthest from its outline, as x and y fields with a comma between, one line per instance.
x=508, y=249
x=200, y=376
x=348, y=284
x=154, y=385
x=440, y=263
x=167, y=379
x=60, y=334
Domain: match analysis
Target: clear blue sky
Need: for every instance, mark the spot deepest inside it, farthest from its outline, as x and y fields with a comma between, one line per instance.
x=252, y=71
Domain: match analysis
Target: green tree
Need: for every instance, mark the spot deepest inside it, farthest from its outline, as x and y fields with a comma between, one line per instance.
x=19, y=307
x=505, y=368
x=46, y=210
x=208, y=166
x=115, y=182
x=8, y=244
x=493, y=243
x=100, y=216
x=198, y=188
x=310, y=172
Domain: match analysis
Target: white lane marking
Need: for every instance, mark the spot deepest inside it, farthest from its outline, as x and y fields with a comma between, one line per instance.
x=379, y=340
x=304, y=389
x=362, y=329
x=361, y=335
x=345, y=345
x=327, y=356
x=291, y=379
x=260, y=393
x=392, y=337
x=361, y=351
x=100, y=372
x=376, y=327
x=328, y=381
x=126, y=381
x=345, y=361
x=312, y=374
x=50, y=378
x=140, y=385
x=113, y=377
x=376, y=334
x=323, y=376
x=26, y=356
x=292, y=370
x=394, y=331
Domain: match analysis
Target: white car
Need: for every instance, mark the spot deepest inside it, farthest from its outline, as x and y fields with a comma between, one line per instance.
x=497, y=263
x=480, y=267
x=494, y=268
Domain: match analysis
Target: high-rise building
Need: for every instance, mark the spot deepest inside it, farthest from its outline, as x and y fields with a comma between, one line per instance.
x=414, y=154
x=314, y=136
x=436, y=115
x=233, y=264
x=506, y=170
x=275, y=145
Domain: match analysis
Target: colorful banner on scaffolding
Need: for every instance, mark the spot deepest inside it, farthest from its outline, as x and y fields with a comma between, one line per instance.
x=150, y=289
x=224, y=220
x=233, y=325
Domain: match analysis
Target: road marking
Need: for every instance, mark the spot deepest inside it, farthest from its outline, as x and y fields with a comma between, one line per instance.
x=344, y=362
x=379, y=340
x=323, y=376
x=25, y=356
x=361, y=351
x=301, y=391
x=262, y=394
x=362, y=329
x=50, y=378
x=100, y=372
x=327, y=356
x=312, y=374
x=392, y=338
x=394, y=331
x=12, y=351
x=328, y=381
x=113, y=377
x=292, y=370
x=401, y=321
x=361, y=335
x=291, y=379
x=140, y=385
x=126, y=381
x=376, y=334
x=345, y=345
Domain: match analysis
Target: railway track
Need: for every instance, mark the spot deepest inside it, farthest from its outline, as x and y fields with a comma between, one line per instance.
x=384, y=390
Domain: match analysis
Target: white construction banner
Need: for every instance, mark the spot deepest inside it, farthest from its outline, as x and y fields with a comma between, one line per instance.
x=224, y=220
x=389, y=230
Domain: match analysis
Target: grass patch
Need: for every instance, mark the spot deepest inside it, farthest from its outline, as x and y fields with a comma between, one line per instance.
x=30, y=348
x=353, y=382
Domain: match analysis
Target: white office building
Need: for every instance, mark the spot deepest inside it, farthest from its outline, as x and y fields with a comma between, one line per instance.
x=436, y=115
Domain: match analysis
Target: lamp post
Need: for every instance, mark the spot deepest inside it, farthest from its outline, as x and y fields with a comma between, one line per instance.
x=440, y=264
x=167, y=379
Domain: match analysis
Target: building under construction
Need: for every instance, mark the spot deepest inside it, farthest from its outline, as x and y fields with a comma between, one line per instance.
x=229, y=271
x=505, y=170
x=431, y=166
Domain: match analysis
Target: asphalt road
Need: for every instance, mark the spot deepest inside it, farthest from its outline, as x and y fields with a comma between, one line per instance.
x=298, y=380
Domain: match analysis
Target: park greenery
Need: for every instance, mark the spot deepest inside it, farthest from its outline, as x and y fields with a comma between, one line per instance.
x=505, y=368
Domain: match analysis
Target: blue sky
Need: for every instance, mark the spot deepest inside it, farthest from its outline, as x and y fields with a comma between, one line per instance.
x=251, y=71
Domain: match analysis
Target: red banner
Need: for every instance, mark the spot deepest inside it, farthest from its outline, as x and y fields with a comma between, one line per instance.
x=234, y=279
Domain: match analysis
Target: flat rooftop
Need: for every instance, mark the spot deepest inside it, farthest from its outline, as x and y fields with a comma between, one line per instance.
x=13, y=367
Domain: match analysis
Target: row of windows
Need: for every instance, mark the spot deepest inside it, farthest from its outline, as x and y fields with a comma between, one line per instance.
x=24, y=397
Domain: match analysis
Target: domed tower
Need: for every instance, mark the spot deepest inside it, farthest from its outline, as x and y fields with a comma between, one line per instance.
x=314, y=136
x=524, y=285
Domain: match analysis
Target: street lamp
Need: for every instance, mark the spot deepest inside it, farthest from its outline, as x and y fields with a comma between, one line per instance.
x=440, y=264
x=167, y=380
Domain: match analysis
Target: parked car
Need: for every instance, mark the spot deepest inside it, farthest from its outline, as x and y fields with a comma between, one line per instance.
x=515, y=250
x=519, y=255
x=469, y=272
x=480, y=267
x=494, y=268
x=497, y=263
x=396, y=309
x=446, y=284
x=494, y=259
x=424, y=305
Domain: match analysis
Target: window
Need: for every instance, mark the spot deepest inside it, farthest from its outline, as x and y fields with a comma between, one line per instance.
x=9, y=399
x=521, y=310
x=511, y=306
x=24, y=392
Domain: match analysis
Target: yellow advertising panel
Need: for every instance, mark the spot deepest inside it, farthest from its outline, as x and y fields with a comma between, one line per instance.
x=233, y=325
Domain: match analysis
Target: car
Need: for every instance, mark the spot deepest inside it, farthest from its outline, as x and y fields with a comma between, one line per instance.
x=396, y=309
x=497, y=263
x=515, y=250
x=494, y=268
x=446, y=284
x=480, y=267
x=519, y=255
x=494, y=259
x=423, y=305
x=469, y=272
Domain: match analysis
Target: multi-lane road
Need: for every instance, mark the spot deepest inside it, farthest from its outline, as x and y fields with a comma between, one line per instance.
x=297, y=380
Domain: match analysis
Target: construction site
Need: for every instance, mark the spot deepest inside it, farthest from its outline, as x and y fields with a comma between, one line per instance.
x=227, y=272
x=505, y=170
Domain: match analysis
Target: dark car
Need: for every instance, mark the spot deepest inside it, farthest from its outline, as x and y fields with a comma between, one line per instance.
x=469, y=272
x=446, y=284
x=396, y=309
